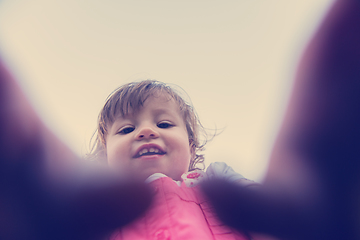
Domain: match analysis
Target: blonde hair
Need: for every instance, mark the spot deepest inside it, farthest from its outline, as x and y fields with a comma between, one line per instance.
x=131, y=97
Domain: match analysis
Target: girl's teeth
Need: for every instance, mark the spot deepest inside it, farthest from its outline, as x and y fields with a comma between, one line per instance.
x=152, y=150
x=143, y=151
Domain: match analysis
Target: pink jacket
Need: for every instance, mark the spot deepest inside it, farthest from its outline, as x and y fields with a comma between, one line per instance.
x=177, y=213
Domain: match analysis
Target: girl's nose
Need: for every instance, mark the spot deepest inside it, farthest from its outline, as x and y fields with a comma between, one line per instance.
x=146, y=133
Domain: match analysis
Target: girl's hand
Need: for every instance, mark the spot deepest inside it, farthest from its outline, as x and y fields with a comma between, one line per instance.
x=312, y=188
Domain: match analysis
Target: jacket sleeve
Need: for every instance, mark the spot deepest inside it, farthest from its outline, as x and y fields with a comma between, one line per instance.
x=221, y=170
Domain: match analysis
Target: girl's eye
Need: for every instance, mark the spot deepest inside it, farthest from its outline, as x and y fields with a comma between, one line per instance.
x=126, y=130
x=164, y=125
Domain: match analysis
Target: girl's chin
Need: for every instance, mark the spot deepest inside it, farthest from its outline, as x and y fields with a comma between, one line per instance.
x=144, y=173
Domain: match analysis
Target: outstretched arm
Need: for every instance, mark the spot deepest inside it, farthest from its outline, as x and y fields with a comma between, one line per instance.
x=45, y=193
x=311, y=190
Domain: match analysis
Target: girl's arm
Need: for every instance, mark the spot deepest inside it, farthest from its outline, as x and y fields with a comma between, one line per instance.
x=311, y=190
x=38, y=197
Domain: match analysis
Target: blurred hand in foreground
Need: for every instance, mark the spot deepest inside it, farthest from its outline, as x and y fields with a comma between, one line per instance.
x=312, y=187
x=45, y=192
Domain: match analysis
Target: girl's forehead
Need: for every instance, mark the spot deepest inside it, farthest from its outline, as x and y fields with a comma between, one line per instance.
x=161, y=100
x=160, y=105
x=157, y=104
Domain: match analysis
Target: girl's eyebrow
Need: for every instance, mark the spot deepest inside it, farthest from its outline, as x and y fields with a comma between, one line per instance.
x=166, y=113
x=119, y=120
x=127, y=116
x=159, y=111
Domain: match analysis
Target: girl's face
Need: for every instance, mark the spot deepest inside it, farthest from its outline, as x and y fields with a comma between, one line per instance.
x=151, y=140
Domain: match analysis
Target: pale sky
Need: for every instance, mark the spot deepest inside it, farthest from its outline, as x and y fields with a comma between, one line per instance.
x=234, y=58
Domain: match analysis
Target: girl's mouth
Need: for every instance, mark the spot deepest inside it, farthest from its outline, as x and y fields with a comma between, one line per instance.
x=149, y=150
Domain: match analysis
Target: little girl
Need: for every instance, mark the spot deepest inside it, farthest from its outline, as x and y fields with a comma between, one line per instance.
x=147, y=130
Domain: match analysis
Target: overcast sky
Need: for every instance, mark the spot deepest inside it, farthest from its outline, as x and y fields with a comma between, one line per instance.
x=234, y=58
